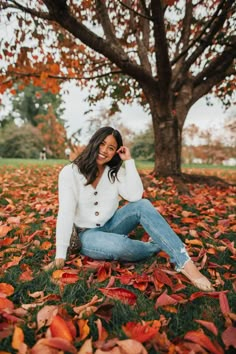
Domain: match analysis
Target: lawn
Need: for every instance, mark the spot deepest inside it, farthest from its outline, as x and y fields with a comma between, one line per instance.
x=112, y=307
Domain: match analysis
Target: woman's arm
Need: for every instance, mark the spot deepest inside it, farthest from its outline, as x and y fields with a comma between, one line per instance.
x=129, y=182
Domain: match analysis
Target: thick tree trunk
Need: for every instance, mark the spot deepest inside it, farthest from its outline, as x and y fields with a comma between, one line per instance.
x=167, y=147
x=167, y=136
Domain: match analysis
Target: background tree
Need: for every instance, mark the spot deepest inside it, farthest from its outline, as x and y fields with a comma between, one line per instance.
x=143, y=145
x=29, y=101
x=20, y=142
x=53, y=133
x=163, y=54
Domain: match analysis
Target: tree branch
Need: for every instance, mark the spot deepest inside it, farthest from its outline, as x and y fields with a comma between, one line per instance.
x=136, y=12
x=14, y=4
x=161, y=50
x=100, y=45
x=185, y=35
x=142, y=51
x=19, y=75
x=214, y=25
x=214, y=73
x=106, y=23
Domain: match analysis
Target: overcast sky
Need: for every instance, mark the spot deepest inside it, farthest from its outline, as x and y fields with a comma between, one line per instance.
x=134, y=117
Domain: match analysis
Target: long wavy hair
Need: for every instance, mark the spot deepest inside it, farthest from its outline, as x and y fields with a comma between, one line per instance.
x=86, y=161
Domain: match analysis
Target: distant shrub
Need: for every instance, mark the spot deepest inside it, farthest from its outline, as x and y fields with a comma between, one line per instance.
x=20, y=142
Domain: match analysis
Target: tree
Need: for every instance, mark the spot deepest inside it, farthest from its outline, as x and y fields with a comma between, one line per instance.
x=143, y=145
x=20, y=142
x=53, y=133
x=30, y=101
x=163, y=54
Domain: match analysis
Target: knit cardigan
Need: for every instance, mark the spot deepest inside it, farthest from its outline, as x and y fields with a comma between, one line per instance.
x=90, y=207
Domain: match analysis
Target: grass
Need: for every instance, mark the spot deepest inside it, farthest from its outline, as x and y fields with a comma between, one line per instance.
x=29, y=192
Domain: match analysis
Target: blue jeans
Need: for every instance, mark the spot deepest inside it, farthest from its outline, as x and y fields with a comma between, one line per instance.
x=111, y=241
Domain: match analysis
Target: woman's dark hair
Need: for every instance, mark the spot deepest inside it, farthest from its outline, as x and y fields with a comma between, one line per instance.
x=86, y=161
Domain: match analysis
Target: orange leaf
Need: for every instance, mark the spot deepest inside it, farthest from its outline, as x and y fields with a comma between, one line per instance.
x=18, y=337
x=7, y=241
x=102, y=274
x=140, y=332
x=121, y=294
x=6, y=289
x=46, y=245
x=84, y=329
x=60, y=329
x=4, y=229
x=6, y=304
x=201, y=339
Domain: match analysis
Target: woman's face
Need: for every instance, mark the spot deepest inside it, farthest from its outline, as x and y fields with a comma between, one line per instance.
x=107, y=150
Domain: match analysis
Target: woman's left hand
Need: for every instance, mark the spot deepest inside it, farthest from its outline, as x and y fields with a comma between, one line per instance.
x=124, y=153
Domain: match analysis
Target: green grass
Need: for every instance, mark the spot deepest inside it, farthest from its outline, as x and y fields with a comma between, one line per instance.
x=141, y=164
x=30, y=192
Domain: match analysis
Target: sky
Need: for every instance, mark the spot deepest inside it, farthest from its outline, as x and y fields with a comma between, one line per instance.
x=133, y=115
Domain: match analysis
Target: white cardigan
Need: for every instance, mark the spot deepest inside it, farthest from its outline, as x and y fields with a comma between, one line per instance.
x=90, y=207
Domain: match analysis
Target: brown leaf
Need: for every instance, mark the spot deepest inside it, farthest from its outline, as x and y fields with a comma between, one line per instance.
x=44, y=345
x=45, y=315
x=130, y=346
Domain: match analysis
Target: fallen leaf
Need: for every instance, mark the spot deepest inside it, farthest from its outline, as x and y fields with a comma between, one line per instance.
x=121, y=294
x=200, y=338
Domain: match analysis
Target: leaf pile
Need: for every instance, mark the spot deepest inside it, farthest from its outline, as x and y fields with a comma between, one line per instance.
x=110, y=307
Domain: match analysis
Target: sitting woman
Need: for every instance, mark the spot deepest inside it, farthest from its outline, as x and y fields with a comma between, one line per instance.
x=89, y=191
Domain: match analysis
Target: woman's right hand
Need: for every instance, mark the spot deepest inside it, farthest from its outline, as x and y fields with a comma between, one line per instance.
x=57, y=263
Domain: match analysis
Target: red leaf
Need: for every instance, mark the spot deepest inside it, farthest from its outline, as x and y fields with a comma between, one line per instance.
x=162, y=277
x=224, y=305
x=164, y=300
x=229, y=337
x=200, y=338
x=209, y=325
x=121, y=294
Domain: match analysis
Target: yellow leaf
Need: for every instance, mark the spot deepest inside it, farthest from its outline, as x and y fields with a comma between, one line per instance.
x=18, y=338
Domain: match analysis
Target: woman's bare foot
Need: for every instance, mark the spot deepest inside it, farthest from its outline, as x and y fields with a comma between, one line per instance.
x=197, y=279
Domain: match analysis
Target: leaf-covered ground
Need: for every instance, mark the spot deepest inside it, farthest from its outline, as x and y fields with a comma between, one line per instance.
x=112, y=307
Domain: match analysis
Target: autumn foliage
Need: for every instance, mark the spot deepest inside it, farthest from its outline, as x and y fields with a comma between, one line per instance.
x=100, y=307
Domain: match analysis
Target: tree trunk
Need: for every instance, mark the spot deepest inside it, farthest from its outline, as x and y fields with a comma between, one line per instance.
x=167, y=147
x=167, y=136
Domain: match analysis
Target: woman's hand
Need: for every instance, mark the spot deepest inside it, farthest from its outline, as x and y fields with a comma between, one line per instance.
x=57, y=263
x=124, y=153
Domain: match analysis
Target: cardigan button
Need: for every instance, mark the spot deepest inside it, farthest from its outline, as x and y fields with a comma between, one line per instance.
x=95, y=193
x=96, y=213
x=98, y=224
x=96, y=203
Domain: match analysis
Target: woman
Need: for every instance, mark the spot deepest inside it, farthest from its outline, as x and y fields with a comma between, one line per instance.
x=89, y=191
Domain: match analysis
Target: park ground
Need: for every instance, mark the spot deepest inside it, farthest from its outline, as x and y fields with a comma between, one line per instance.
x=112, y=307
